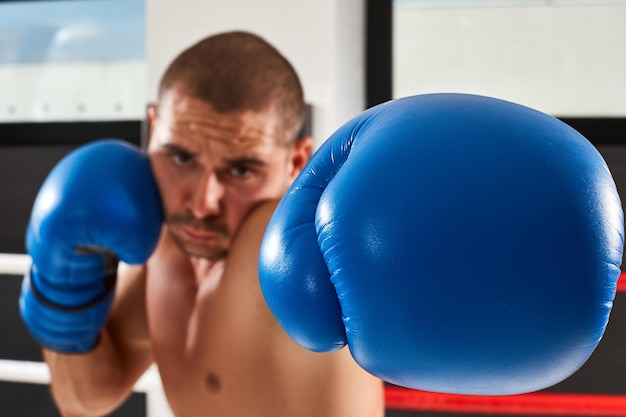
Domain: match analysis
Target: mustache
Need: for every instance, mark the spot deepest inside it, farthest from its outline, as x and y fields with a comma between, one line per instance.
x=206, y=224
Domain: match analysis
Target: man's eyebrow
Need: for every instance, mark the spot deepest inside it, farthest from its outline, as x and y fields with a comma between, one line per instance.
x=175, y=148
x=244, y=160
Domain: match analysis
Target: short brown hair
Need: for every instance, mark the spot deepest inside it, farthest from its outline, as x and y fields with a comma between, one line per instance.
x=240, y=71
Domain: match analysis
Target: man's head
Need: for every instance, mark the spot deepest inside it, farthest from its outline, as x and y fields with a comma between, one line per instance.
x=225, y=137
x=239, y=71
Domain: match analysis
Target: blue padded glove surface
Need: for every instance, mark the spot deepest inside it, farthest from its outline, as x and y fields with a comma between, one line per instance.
x=98, y=205
x=457, y=243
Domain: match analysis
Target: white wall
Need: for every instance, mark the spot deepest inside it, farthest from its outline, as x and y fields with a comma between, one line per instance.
x=70, y=60
x=75, y=91
x=324, y=40
x=566, y=58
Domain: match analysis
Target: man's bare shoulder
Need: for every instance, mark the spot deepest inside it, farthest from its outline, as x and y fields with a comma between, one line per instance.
x=253, y=227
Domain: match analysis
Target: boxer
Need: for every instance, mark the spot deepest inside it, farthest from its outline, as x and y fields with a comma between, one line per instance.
x=454, y=243
x=185, y=223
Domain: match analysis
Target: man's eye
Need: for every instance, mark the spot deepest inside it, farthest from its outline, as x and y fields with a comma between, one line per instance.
x=240, y=171
x=181, y=158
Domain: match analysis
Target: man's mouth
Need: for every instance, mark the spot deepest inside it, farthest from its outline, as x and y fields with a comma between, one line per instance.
x=199, y=229
x=195, y=233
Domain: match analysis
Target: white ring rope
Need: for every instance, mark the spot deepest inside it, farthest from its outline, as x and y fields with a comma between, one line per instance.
x=38, y=373
x=24, y=371
x=14, y=264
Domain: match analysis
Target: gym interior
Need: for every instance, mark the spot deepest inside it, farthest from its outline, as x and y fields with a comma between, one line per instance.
x=73, y=71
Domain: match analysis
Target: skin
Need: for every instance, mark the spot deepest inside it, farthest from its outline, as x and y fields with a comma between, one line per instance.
x=196, y=307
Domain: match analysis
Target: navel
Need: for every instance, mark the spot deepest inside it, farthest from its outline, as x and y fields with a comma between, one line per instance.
x=212, y=382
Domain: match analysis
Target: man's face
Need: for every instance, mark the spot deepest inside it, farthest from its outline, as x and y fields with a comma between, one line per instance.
x=212, y=168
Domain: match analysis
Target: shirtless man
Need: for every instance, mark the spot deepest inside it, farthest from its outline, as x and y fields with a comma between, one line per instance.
x=224, y=146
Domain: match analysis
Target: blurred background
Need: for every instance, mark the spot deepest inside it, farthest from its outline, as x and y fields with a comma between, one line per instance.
x=78, y=70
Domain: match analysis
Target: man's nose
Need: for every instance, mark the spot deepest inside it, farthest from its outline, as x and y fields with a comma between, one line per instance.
x=207, y=196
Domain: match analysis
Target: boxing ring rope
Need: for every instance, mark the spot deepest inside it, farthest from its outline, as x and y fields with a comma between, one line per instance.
x=13, y=264
x=396, y=398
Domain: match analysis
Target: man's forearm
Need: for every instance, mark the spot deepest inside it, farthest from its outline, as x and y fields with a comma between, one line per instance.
x=88, y=384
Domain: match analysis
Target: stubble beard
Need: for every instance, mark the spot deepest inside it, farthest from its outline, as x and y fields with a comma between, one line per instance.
x=213, y=249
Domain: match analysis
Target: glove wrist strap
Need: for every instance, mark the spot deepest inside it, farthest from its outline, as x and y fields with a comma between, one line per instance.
x=108, y=283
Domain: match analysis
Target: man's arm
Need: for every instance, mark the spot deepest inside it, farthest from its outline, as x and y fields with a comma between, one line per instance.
x=299, y=381
x=86, y=219
x=97, y=382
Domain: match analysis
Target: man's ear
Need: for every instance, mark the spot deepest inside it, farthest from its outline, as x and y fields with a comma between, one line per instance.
x=300, y=155
x=152, y=115
x=148, y=125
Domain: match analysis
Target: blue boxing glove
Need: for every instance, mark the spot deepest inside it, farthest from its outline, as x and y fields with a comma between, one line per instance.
x=98, y=205
x=457, y=244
